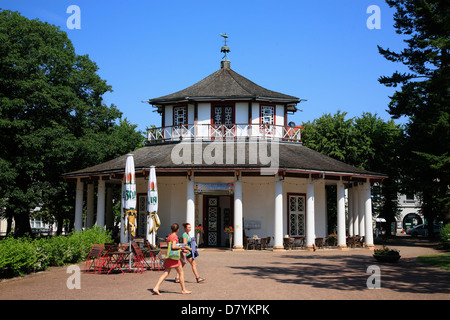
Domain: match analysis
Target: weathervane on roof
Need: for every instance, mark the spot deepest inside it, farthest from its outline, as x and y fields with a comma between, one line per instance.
x=225, y=49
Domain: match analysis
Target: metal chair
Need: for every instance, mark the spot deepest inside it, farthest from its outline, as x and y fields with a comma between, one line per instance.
x=288, y=243
x=154, y=255
x=319, y=243
x=248, y=243
x=93, y=259
x=299, y=242
x=139, y=260
x=262, y=244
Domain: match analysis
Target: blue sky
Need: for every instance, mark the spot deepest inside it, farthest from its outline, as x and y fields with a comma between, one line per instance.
x=318, y=50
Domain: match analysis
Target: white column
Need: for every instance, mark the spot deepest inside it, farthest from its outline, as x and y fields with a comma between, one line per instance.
x=355, y=210
x=90, y=206
x=238, y=227
x=278, y=217
x=368, y=215
x=190, y=204
x=79, y=206
x=310, y=227
x=361, y=210
x=341, y=215
x=350, y=211
x=101, y=203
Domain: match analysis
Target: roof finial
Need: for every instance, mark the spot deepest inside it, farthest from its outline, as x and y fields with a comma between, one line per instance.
x=225, y=49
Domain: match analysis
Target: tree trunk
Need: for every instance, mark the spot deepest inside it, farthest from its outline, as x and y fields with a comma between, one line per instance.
x=9, y=216
x=22, y=221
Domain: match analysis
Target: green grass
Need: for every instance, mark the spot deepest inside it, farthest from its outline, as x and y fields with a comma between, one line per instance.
x=441, y=260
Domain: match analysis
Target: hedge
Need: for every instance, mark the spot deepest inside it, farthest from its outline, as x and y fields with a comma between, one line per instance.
x=21, y=256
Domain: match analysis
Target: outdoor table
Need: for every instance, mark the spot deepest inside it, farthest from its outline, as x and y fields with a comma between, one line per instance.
x=256, y=241
x=299, y=242
x=118, y=259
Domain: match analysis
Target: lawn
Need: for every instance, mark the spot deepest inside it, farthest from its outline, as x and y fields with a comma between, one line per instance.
x=441, y=260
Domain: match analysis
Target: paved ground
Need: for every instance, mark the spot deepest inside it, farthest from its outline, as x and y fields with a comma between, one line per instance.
x=257, y=275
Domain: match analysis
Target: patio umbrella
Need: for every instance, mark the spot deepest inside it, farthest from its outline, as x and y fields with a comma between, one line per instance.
x=153, y=221
x=129, y=198
x=129, y=202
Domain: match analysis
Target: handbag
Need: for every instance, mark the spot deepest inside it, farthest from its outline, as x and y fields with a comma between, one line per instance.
x=172, y=253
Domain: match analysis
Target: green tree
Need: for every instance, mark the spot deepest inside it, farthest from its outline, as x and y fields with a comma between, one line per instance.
x=424, y=99
x=366, y=142
x=332, y=136
x=379, y=146
x=52, y=118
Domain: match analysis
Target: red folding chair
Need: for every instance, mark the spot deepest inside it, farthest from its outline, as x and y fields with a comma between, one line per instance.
x=105, y=259
x=93, y=259
x=139, y=259
x=155, y=261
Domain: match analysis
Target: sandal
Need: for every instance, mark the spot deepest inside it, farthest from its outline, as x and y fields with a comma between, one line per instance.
x=200, y=280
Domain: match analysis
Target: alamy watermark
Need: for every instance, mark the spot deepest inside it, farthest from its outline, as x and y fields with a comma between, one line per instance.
x=73, y=281
x=74, y=20
x=374, y=21
x=262, y=153
x=374, y=280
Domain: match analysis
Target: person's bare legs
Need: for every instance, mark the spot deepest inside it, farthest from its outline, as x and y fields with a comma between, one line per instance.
x=181, y=277
x=177, y=276
x=194, y=270
x=160, y=280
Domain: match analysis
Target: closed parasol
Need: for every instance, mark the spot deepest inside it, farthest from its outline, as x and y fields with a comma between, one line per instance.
x=153, y=221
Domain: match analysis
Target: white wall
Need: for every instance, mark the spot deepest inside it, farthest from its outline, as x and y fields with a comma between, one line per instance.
x=258, y=204
x=279, y=115
x=204, y=117
x=241, y=112
x=168, y=116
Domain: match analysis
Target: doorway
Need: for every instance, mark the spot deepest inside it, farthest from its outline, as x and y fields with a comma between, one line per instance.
x=141, y=231
x=296, y=214
x=217, y=214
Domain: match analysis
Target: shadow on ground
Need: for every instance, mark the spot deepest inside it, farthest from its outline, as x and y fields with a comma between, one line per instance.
x=349, y=273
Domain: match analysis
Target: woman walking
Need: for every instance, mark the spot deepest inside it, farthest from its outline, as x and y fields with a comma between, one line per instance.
x=169, y=263
x=189, y=255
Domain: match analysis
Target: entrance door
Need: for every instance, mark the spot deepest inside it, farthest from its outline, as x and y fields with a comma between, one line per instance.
x=296, y=215
x=212, y=223
x=142, y=217
x=217, y=214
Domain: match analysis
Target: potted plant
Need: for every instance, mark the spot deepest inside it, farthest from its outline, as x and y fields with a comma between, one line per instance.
x=386, y=255
x=230, y=231
x=198, y=231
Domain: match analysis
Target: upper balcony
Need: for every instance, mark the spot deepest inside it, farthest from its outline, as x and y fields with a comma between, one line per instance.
x=223, y=132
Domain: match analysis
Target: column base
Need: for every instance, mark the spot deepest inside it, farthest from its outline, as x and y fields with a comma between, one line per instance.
x=309, y=248
x=370, y=246
x=238, y=249
x=278, y=249
x=343, y=247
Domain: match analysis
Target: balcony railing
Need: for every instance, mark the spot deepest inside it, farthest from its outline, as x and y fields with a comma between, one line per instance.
x=223, y=132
